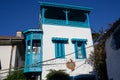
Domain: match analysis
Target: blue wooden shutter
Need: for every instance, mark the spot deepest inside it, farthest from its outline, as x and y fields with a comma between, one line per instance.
x=83, y=49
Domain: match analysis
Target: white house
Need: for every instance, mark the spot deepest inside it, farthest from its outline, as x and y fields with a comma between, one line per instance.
x=10, y=49
x=64, y=42
x=112, y=47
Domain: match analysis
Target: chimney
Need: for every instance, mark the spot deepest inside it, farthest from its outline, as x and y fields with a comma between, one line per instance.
x=19, y=34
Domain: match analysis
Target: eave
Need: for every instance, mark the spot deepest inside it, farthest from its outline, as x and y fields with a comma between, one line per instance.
x=65, y=6
x=10, y=40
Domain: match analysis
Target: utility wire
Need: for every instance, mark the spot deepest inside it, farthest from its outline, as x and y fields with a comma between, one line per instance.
x=31, y=65
x=49, y=59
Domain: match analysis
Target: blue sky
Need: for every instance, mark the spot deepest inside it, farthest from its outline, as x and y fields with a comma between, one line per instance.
x=20, y=15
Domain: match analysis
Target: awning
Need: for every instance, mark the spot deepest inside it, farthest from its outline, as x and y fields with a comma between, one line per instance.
x=63, y=40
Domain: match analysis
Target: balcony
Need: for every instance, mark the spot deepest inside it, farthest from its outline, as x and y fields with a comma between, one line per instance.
x=66, y=23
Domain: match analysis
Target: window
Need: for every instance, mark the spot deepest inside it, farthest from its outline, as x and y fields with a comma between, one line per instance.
x=36, y=46
x=79, y=51
x=59, y=47
x=79, y=46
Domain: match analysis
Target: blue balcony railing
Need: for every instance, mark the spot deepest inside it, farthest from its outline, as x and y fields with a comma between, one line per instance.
x=69, y=23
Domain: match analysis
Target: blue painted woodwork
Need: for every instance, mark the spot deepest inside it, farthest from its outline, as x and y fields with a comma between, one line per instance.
x=43, y=14
x=74, y=16
x=87, y=9
x=59, y=50
x=57, y=39
x=87, y=21
x=59, y=46
x=79, y=46
x=66, y=14
x=33, y=55
x=69, y=23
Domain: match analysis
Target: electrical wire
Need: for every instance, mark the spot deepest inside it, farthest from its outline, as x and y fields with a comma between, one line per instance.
x=21, y=68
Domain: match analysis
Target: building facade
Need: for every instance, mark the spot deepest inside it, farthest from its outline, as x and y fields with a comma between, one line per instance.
x=63, y=41
x=11, y=54
x=67, y=31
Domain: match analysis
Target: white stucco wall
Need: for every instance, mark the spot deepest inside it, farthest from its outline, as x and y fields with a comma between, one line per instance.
x=50, y=31
x=5, y=53
x=113, y=60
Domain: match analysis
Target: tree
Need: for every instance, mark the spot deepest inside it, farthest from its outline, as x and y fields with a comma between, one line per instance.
x=100, y=61
x=99, y=57
x=57, y=75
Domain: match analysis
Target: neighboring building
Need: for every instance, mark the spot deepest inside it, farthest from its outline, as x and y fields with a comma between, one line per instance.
x=112, y=46
x=62, y=42
x=11, y=54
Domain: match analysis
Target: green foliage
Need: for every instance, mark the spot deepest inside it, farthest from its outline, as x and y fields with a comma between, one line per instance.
x=16, y=75
x=57, y=75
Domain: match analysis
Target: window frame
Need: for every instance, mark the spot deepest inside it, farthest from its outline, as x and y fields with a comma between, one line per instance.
x=79, y=43
x=59, y=44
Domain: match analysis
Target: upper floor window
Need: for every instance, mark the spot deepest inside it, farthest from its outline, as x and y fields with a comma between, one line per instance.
x=79, y=46
x=59, y=46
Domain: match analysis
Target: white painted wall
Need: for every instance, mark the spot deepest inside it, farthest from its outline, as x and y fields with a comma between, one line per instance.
x=113, y=60
x=5, y=53
x=50, y=31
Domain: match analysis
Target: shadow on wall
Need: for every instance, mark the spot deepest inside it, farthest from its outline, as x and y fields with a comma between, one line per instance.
x=115, y=43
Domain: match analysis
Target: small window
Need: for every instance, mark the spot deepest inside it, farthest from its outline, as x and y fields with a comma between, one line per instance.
x=59, y=47
x=79, y=46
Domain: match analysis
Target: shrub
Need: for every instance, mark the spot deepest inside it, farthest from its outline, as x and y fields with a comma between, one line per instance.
x=16, y=75
x=57, y=75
